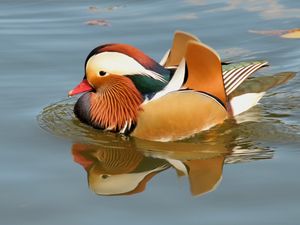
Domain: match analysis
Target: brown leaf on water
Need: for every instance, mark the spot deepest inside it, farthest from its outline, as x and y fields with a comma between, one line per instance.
x=295, y=33
x=93, y=9
x=292, y=33
x=98, y=22
x=112, y=8
x=269, y=32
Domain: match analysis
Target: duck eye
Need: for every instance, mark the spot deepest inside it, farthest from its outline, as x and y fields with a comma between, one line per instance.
x=102, y=73
x=105, y=176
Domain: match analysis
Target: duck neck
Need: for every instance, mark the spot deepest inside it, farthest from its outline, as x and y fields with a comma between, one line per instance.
x=115, y=105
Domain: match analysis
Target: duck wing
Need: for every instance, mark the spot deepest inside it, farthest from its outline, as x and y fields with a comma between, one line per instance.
x=205, y=71
x=199, y=70
x=173, y=56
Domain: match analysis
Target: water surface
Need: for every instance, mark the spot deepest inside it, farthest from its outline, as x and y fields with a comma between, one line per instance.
x=237, y=174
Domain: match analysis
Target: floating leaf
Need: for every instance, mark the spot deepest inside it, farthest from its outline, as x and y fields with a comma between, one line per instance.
x=98, y=22
x=93, y=9
x=112, y=8
x=292, y=33
x=268, y=32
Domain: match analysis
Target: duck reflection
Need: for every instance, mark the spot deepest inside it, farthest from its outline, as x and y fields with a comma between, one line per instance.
x=124, y=167
x=114, y=170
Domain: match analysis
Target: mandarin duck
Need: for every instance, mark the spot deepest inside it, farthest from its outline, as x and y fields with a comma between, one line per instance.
x=190, y=90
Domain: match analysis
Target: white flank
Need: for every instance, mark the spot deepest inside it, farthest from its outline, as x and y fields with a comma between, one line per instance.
x=244, y=102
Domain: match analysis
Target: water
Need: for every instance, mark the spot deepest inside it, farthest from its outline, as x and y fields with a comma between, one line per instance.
x=43, y=176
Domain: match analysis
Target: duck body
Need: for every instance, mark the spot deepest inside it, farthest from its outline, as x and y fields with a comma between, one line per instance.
x=128, y=92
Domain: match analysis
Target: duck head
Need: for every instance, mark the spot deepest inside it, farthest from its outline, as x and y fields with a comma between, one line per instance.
x=117, y=79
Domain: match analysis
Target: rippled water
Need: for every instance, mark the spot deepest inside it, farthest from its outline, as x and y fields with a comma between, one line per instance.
x=233, y=174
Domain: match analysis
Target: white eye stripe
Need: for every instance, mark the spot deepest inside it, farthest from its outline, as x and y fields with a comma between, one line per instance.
x=114, y=63
x=119, y=64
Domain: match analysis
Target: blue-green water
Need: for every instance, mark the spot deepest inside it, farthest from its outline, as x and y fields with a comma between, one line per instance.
x=43, y=179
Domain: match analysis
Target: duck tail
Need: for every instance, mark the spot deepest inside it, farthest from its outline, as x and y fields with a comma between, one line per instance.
x=252, y=90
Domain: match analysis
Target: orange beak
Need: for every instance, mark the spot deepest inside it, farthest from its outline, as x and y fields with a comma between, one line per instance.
x=84, y=86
